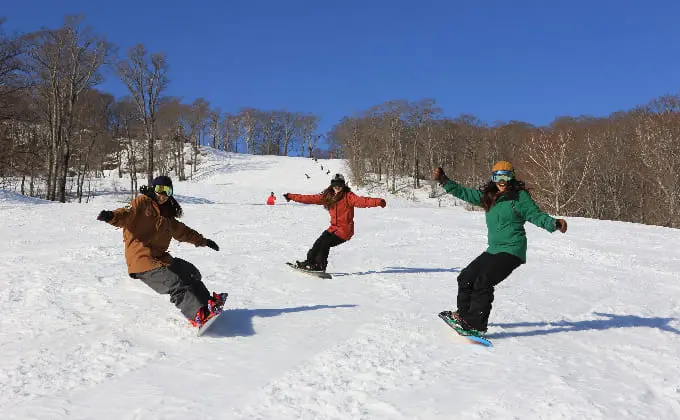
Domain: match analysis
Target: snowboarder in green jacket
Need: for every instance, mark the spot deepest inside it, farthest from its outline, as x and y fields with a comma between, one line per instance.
x=508, y=206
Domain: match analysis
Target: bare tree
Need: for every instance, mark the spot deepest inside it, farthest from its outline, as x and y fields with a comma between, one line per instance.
x=347, y=134
x=657, y=137
x=420, y=118
x=308, y=127
x=92, y=118
x=552, y=159
x=229, y=132
x=387, y=121
x=216, y=127
x=66, y=62
x=291, y=129
x=15, y=117
x=128, y=132
x=248, y=120
x=12, y=68
x=145, y=75
x=267, y=132
x=198, y=122
x=173, y=128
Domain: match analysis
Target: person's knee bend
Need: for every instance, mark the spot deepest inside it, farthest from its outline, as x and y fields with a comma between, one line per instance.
x=185, y=269
x=482, y=282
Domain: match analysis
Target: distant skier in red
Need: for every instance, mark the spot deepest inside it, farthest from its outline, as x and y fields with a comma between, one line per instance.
x=271, y=200
x=340, y=202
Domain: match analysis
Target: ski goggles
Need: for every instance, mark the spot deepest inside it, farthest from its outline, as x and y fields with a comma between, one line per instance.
x=502, y=176
x=163, y=189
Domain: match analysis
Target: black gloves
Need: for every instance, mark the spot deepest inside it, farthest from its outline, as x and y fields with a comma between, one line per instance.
x=286, y=196
x=561, y=225
x=383, y=203
x=105, y=215
x=211, y=244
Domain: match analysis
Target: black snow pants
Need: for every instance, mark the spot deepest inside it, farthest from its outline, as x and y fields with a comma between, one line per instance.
x=318, y=254
x=476, y=286
x=182, y=281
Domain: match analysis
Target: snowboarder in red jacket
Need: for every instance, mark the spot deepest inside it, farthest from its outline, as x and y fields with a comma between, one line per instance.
x=271, y=200
x=340, y=202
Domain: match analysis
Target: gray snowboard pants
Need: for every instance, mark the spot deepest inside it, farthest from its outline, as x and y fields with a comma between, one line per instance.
x=182, y=281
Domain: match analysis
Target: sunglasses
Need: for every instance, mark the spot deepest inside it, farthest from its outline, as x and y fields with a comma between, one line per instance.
x=163, y=189
x=502, y=176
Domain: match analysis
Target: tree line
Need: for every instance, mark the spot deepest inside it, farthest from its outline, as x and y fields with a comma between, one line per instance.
x=620, y=167
x=57, y=130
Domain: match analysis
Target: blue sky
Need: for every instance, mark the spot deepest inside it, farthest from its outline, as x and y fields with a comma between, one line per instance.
x=499, y=60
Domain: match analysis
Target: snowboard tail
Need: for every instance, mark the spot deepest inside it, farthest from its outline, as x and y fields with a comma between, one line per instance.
x=205, y=327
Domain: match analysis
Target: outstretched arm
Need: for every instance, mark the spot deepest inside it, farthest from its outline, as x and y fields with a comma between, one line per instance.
x=529, y=210
x=304, y=199
x=358, y=201
x=469, y=195
x=121, y=217
x=184, y=233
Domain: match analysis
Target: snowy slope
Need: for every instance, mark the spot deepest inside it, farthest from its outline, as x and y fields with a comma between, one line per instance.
x=588, y=329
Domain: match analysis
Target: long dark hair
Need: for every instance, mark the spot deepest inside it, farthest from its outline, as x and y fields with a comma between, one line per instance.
x=329, y=197
x=175, y=209
x=490, y=192
x=170, y=208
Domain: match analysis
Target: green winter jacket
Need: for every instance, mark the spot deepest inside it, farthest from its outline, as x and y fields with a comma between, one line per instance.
x=505, y=220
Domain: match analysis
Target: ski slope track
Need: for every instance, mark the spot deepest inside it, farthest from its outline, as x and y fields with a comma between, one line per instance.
x=589, y=328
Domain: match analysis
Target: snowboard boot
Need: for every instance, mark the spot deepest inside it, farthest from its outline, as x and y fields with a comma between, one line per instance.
x=308, y=266
x=456, y=316
x=461, y=326
x=214, y=308
x=219, y=299
x=302, y=264
x=202, y=316
x=316, y=267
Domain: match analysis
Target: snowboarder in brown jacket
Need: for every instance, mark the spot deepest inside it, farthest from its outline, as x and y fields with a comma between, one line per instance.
x=149, y=223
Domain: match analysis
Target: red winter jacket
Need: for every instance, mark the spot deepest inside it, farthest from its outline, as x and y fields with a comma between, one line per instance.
x=342, y=213
x=271, y=200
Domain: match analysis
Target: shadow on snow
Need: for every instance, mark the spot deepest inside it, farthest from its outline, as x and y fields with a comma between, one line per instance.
x=611, y=321
x=402, y=270
x=239, y=322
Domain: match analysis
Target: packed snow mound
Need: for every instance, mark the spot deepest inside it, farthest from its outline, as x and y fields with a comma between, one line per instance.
x=11, y=198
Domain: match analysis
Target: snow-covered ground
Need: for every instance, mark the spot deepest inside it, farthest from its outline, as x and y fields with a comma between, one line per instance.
x=588, y=329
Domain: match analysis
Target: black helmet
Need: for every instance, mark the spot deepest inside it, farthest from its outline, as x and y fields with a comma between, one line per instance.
x=338, y=181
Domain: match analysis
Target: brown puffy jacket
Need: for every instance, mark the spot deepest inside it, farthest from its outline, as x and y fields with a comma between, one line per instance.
x=147, y=231
x=342, y=212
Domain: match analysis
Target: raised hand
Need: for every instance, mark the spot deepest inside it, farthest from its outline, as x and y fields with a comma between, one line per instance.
x=211, y=244
x=105, y=215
